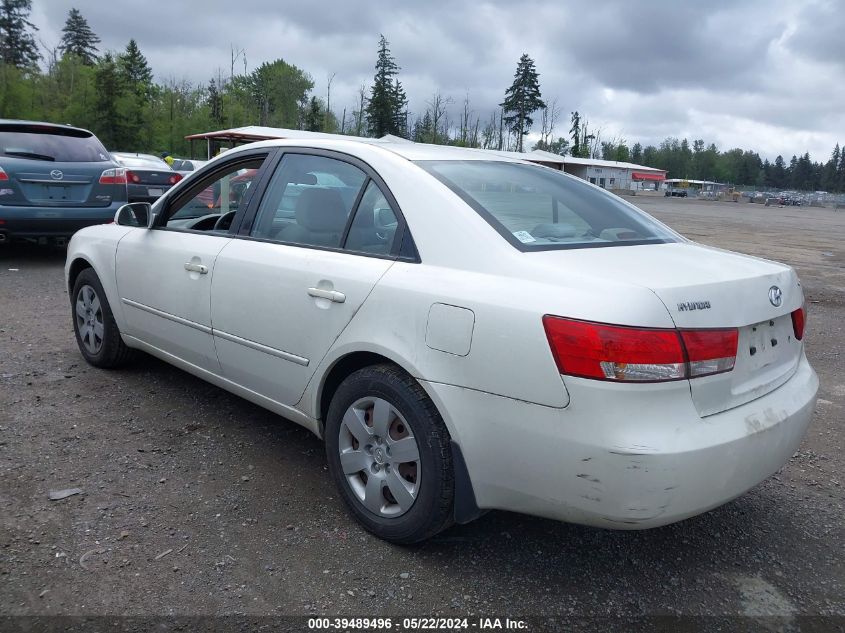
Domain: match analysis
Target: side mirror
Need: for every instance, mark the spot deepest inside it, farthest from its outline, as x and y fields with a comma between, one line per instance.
x=134, y=214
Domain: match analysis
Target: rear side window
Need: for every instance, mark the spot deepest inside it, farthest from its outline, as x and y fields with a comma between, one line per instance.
x=51, y=145
x=373, y=229
x=536, y=208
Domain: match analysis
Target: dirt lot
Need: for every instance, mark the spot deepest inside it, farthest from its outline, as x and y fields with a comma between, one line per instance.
x=197, y=502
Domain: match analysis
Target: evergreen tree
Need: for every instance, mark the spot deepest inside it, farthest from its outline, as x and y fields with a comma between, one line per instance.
x=79, y=39
x=135, y=70
x=685, y=158
x=17, y=44
x=830, y=178
x=802, y=174
x=522, y=99
x=766, y=174
x=637, y=153
x=215, y=103
x=840, y=180
x=109, y=90
x=778, y=178
x=386, y=106
x=400, y=115
x=314, y=116
x=423, y=129
x=650, y=157
x=136, y=81
x=575, y=132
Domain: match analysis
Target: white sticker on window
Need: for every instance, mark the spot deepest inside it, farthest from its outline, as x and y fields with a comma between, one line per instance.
x=524, y=236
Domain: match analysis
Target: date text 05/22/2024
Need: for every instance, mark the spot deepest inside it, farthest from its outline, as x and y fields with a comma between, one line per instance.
x=418, y=624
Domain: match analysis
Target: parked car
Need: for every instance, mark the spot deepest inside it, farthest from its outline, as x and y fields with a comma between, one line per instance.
x=544, y=347
x=675, y=192
x=186, y=166
x=54, y=180
x=147, y=176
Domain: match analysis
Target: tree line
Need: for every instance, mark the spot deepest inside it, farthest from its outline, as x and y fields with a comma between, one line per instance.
x=115, y=95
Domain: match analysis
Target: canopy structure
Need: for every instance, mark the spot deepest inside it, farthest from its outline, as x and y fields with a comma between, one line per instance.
x=215, y=141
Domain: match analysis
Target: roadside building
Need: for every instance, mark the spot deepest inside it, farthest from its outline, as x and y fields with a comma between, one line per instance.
x=610, y=174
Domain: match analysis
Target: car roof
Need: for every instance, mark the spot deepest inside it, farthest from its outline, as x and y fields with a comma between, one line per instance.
x=406, y=149
x=427, y=151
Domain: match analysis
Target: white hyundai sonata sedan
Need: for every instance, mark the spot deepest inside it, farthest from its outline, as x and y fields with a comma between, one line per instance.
x=465, y=331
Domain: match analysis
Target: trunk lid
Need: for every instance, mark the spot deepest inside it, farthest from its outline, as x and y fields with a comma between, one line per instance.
x=57, y=184
x=153, y=177
x=704, y=287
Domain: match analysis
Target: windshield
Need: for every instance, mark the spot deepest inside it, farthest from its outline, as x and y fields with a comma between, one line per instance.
x=51, y=144
x=536, y=208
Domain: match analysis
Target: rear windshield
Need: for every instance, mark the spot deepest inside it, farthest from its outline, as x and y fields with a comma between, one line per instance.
x=51, y=144
x=537, y=208
x=141, y=162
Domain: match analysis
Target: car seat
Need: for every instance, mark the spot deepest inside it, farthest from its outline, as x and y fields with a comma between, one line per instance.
x=320, y=219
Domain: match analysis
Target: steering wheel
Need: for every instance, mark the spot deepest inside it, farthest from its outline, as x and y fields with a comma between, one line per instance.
x=224, y=221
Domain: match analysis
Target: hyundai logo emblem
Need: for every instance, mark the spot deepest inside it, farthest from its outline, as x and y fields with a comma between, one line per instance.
x=56, y=174
x=775, y=296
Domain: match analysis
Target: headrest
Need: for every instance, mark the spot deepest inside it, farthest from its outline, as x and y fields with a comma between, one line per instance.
x=321, y=210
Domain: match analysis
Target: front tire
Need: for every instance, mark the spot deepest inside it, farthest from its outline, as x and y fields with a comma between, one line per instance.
x=97, y=334
x=388, y=452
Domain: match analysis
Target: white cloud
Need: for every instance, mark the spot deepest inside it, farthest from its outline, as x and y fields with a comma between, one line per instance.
x=756, y=74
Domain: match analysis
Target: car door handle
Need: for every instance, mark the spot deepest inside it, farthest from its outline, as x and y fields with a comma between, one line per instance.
x=196, y=268
x=331, y=295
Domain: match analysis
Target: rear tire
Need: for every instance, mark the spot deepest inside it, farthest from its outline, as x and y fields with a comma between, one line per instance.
x=97, y=334
x=384, y=436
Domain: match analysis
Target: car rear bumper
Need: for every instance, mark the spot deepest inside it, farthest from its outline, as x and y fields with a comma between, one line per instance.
x=141, y=193
x=624, y=460
x=52, y=222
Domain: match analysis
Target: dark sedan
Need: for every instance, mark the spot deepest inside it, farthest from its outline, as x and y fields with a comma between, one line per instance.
x=54, y=180
x=147, y=176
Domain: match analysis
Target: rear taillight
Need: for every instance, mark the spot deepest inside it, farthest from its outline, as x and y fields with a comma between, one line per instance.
x=799, y=320
x=3, y=174
x=116, y=176
x=174, y=179
x=710, y=351
x=628, y=354
x=132, y=177
x=612, y=352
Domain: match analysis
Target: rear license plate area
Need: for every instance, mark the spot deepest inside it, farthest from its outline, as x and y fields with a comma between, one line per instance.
x=53, y=192
x=154, y=192
x=765, y=343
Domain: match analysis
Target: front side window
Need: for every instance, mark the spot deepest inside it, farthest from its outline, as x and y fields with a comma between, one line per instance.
x=221, y=194
x=308, y=201
x=536, y=208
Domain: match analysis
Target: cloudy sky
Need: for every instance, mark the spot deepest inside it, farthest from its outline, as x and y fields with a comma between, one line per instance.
x=757, y=74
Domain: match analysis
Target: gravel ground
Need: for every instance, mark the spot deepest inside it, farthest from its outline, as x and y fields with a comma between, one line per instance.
x=197, y=502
